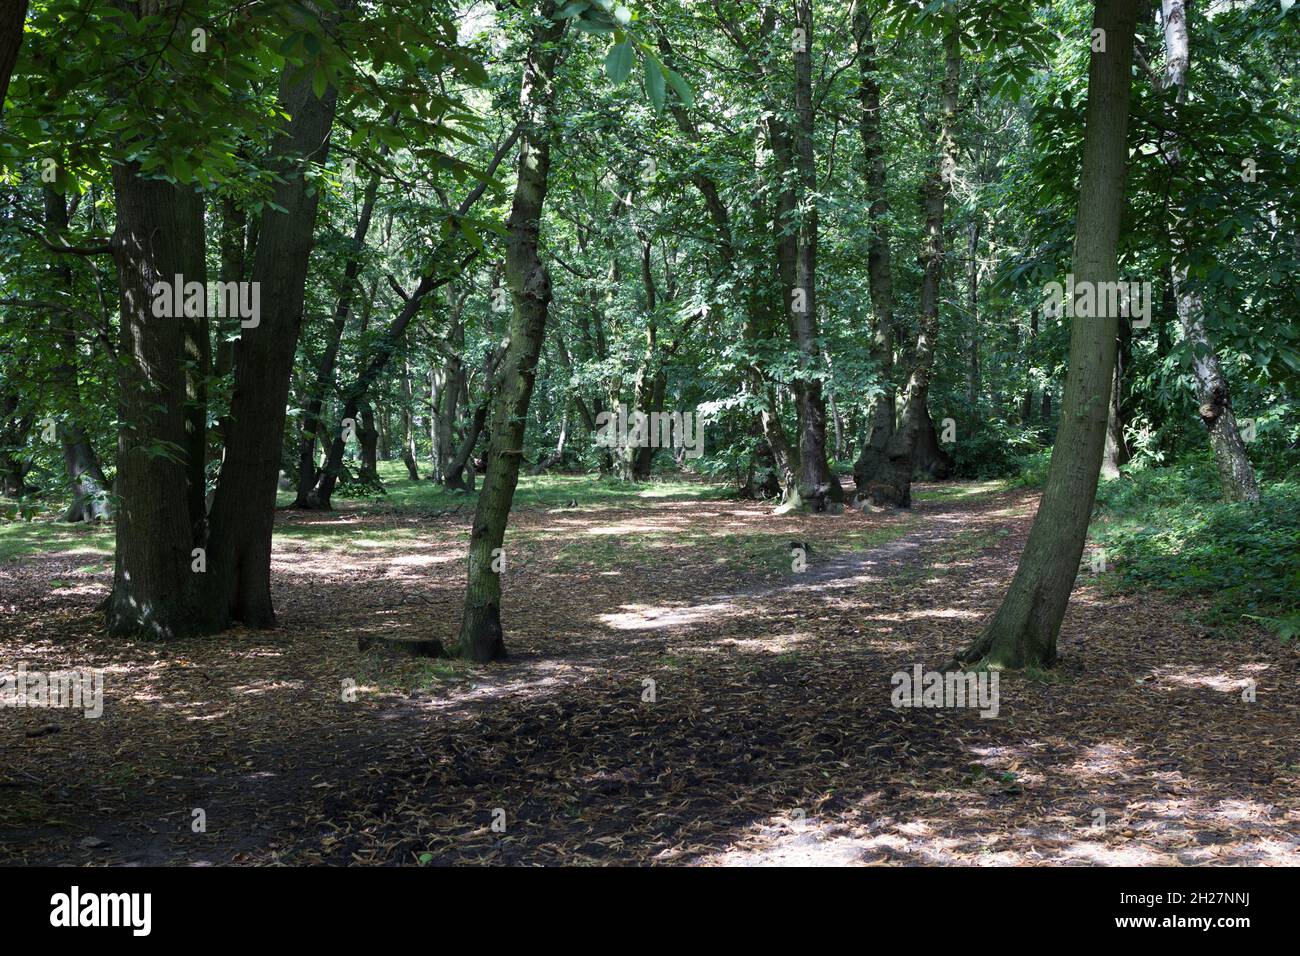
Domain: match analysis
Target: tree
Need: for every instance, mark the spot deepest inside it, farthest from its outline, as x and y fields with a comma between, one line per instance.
x=1235, y=473
x=529, y=282
x=1023, y=631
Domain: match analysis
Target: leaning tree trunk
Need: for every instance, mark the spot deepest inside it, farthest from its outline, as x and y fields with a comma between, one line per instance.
x=12, y=20
x=243, y=510
x=530, y=289
x=324, y=378
x=914, y=446
x=1023, y=631
x=1236, y=476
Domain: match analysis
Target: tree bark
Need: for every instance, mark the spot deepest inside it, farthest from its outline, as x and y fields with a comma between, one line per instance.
x=914, y=448
x=243, y=509
x=481, y=637
x=1023, y=632
x=1236, y=476
x=12, y=20
x=873, y=460
x=797, y=229
x=324, y=379
x=159, y=235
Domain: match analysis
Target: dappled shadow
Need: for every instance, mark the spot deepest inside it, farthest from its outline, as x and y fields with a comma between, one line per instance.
x=676, y=693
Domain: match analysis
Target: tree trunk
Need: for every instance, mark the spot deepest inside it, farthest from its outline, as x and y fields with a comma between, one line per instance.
x=243, y=509
x=873, y=460
x=797, y=228
x=914, y=447
x=90, y=492
x=481, y=637
x=12, y=20
x=367, y=446
x=14, y=429
x=408, y=424
x=324, y=380
x=159, y=235
x=1236, y=476
x=1023, y=632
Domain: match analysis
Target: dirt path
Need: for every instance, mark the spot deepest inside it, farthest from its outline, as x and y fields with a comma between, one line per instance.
x=767, y=734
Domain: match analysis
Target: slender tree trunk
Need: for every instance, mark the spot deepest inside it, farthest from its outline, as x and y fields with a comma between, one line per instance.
x=481, y=637
x=90, y=492
x=973, y=302
x=1027, y=405
x=1023, y=632
x=324, y=379
x=408, y=424
x=1236, y=476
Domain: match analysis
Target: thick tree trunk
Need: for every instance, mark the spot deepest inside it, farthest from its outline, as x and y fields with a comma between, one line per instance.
x=481, y=637
x=159, y=235
x=914, y=447
x=12, y=19
x=243, y=510
x=1236, y=476
x=881, y=412
x=797, y=229
x=1023, y=631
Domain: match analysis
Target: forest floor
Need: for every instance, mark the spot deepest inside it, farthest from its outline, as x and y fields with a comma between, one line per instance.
x=771, y=736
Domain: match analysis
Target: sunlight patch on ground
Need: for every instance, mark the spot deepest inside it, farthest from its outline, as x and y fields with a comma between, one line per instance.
x=639, y=617
x=1208, y=679
x=776, y=643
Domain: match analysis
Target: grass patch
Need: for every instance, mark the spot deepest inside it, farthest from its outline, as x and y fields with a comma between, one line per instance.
x=21, y=538
x=1169, y=529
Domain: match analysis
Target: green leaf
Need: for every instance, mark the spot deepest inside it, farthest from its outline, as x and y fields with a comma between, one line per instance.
x=618, y=63
x=572, y=10
x=654, y=82
x=681, y=88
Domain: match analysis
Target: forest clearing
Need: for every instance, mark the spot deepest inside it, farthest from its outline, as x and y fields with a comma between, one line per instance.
x=647, y=434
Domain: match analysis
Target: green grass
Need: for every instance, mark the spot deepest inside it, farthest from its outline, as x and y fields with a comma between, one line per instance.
x=20, y=538
x=535, y=492
x=1169, y=529
x=962, y=491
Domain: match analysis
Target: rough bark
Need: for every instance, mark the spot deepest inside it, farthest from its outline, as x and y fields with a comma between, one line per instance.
x=1236, y=476
x=91, y=499
x=159, y=235
x=881, y=412
x=529, y=282
x=797, y=229
x=914, y=447
x=243, y=509
x=1023, y=632
x=12, y=19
